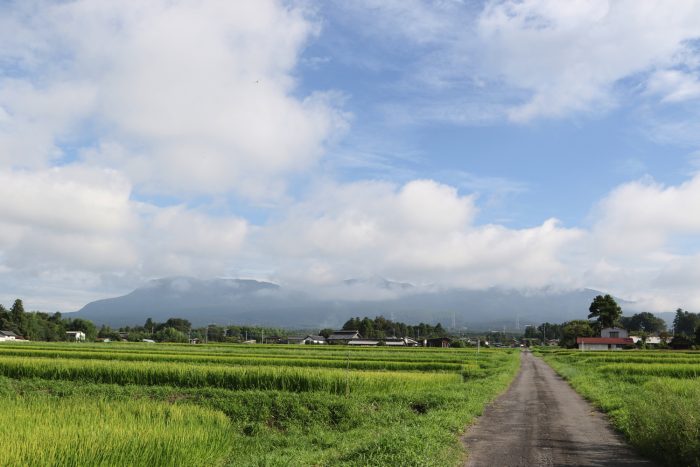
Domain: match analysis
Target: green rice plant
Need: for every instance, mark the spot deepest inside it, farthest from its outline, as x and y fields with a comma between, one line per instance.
x=237, y=360
x=175, y=374
x=49, y=431
x=678, y=370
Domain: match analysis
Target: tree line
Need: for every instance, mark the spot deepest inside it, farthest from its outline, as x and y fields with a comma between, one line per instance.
x=380, y=327
x=39, y=326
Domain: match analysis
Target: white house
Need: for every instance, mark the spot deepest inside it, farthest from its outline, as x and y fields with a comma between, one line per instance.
x=314, y=340
x=7, y=336
x=76, y=336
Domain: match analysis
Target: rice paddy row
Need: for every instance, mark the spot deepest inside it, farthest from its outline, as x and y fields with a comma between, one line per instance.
x=244, y=405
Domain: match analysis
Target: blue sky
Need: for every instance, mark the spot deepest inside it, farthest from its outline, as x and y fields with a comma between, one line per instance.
x=533, y=145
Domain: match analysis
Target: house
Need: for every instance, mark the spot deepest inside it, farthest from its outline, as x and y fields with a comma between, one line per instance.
x=443, y=342
x=8, y=336
x=195, y=340
x=343, y=336
x=75, y=336
x=603, y=343
x=614, y=332
x=410, y=342
x=610, y=339
x=294, y=340
x=314, y=340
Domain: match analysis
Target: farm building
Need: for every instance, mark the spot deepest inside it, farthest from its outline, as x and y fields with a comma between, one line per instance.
x=8, y=336
x=314, y=340
x=294, y=340
x=343, y=336
x=437, y=342
x=603, y=343
x=75, y=336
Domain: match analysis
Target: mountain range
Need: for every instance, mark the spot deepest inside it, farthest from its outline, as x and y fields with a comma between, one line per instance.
x=252, y=302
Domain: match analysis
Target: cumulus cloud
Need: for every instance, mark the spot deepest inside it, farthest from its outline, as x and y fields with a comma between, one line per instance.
x=422, y=231
x=81, y=222
x=639, y=243
x=199, y=97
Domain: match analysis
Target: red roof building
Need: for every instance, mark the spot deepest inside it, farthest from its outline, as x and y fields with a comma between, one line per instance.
x=603, y=343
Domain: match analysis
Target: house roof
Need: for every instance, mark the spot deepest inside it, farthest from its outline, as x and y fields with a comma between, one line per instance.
x=363, y=342
x=343, y=335
x=604, y=340
x=316, y=338
x=8, y=334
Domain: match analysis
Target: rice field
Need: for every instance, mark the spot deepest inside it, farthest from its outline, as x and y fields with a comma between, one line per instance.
x=652, y=397
x=170, y=404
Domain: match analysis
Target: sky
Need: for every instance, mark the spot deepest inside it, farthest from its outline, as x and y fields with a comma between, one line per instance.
x=531, y=145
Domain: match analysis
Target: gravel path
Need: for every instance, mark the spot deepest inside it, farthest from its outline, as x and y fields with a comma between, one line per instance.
x=541, y=421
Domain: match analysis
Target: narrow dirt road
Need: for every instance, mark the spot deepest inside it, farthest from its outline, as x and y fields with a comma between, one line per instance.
x=541, y=421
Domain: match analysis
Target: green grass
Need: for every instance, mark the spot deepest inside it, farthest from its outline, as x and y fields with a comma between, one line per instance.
x=652, y=397
x=266, y=403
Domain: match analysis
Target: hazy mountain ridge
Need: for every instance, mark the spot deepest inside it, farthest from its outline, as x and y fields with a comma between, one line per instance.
x=245, y=301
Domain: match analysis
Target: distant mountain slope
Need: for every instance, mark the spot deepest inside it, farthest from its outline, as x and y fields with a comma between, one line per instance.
x=238, y=301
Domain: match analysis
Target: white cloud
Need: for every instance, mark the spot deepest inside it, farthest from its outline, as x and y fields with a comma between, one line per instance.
x=81, y=222
x=523, y=60
x=422, y=231
x=200, y=96
x=640, y=218
x=674, y=85
x=570, y=55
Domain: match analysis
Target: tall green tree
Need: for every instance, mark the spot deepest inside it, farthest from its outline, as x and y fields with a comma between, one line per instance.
x=605, y=310
x=685, y=322
x=644, y=321
x=573, y=329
